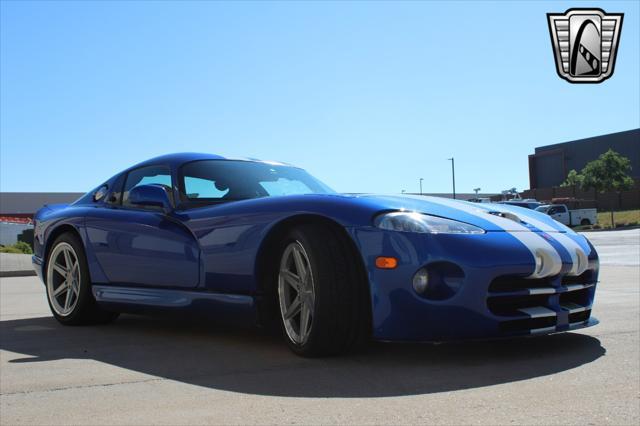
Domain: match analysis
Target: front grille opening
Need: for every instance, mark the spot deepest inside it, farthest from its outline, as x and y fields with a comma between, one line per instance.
x=579, y=297
x=587, y=277
x=528, y=324
x=580, y=316
x=509, y=305
x=515, y=283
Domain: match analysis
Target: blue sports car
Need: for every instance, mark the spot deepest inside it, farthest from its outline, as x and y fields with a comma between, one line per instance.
x=260, y=242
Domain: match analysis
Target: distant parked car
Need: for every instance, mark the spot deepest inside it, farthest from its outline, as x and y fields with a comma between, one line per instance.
x=480, y=200
x=562, y=214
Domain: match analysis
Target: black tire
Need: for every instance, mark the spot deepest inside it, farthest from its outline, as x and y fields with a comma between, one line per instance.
x=342, y=315
x=585, y=222
x=86, y=310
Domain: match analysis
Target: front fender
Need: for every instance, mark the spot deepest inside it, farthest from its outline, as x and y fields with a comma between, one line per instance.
x=52, y=221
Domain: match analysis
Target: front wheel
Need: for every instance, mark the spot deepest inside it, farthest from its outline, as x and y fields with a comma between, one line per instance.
x=322, y=293
x=69, y=286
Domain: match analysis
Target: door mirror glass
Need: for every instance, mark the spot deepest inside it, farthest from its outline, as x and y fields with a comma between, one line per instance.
x=100, y=193
x=150, y=196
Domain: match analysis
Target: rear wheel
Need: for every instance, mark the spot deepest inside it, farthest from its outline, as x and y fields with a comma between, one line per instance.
x=69, y=286
x=322, y=295
x=585, y=222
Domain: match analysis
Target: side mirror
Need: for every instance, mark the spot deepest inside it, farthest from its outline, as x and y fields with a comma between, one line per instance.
x=153, y=195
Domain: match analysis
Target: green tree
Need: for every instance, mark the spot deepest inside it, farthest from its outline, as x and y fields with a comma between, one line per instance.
x=573, y=179
x=609, y=173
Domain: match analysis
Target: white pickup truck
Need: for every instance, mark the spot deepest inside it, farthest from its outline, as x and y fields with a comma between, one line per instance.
x=562, y=214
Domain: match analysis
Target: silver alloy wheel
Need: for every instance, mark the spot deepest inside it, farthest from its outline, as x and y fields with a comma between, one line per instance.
x=63, y=279
x=296, y=293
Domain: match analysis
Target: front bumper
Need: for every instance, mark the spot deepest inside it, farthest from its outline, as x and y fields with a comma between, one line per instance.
x=493, y=301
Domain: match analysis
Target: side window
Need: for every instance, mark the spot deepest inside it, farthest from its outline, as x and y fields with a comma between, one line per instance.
x=562, y=209
x=145, y=176
x=553, y=210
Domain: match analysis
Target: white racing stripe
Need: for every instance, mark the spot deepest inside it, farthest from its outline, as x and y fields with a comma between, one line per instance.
x=579, y=259
x=548, y=261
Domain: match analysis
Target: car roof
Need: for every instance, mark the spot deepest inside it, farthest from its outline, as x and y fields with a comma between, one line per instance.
x=174, y=160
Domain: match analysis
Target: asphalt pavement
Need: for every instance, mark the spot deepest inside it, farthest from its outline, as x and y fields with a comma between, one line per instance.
x=157, y=371
x=617, y=248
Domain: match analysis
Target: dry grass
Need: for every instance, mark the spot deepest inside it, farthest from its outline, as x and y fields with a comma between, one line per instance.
x=627, y=217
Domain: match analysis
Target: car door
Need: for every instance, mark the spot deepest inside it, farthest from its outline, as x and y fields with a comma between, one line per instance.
x=560, y=214
x=142, y=246
x=564, y=215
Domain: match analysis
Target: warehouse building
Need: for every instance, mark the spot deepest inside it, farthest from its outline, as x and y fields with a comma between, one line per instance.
x=25, y=204
x=17, y=210
x=550, y=164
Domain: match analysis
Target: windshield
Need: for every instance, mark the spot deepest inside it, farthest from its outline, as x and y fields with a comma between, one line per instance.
x=542, y=209
x=215, y=181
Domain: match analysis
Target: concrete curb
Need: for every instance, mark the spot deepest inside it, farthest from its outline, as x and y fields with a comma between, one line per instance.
x=6, y=274
x=620, y=228
x=16, y=265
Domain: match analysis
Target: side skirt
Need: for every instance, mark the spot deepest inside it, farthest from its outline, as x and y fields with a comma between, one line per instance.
x=228, y=307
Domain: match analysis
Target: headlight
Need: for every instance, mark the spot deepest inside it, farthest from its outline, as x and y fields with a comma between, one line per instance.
x=424, y=224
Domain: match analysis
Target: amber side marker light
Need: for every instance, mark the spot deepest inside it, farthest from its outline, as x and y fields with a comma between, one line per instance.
x=386, y=262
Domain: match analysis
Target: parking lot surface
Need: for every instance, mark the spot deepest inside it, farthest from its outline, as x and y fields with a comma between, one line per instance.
x=617, y=247
x=146, y=370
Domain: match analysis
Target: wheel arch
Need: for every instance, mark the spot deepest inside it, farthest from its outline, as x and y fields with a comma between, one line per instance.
x=267, y=259
x=63, y=228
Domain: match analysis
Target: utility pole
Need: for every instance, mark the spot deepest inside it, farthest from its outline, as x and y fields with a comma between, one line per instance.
x=453, y=176
x=421, y=179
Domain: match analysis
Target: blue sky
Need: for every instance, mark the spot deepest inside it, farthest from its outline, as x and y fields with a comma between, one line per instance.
x=369, y=97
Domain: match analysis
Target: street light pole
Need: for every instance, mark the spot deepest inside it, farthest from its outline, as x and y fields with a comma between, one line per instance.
x=453, y=176
x=421, y=179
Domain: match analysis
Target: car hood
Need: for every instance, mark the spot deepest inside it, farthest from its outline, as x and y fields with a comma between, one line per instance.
x=489, y=216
